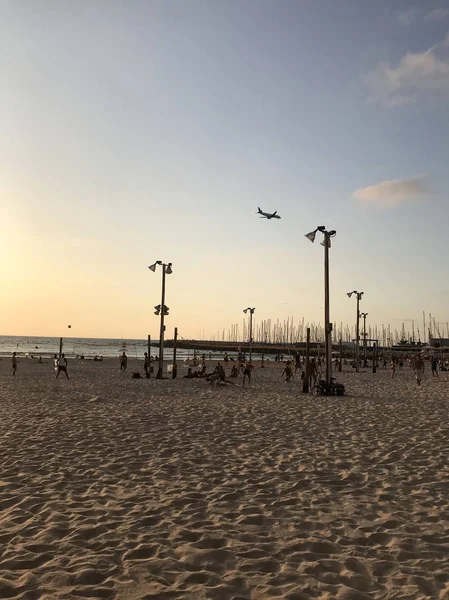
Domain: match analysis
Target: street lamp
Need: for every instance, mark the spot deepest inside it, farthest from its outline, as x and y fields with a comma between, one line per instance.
x=162, y=310
x=357, y=332
x=364, y=315
x=327, y=324
x=251, y=312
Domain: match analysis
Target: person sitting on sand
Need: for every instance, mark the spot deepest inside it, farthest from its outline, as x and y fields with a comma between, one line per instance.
x=62, y=366
x=234, y=371
x=288, y=372
x=189, y=373
x=123, y=362
x=14, y=363
x=247, y=373
x=419, y=369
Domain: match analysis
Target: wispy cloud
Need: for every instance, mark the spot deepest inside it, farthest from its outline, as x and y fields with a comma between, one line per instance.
x=437, y=14
x=415, y=75
x=390, y=194
x=418, y=14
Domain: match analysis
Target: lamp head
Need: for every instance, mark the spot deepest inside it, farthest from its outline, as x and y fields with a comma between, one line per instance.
x=152, y=267
x=168, y=269
x=245, y=310
x=349, y=294
x=321, y=228
x=311, y=236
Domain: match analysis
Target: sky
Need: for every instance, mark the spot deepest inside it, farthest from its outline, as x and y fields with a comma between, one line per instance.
x=136, y=131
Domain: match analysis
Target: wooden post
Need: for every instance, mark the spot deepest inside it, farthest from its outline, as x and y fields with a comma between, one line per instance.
x=149, y=356
x=374, y=357
x=60, y=347
x=305, y=383
x=175, y=367
x=340, y=368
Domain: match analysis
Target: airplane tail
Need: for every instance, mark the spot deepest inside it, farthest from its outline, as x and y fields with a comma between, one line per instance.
x=258, y=208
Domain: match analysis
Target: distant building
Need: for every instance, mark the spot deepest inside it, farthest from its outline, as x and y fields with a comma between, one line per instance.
x=439, y=342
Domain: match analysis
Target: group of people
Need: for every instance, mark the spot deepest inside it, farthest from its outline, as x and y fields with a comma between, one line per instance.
x=60, y=364
x=418, y=364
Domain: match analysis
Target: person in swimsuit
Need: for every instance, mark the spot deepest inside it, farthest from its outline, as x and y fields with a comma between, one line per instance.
x=14, y=363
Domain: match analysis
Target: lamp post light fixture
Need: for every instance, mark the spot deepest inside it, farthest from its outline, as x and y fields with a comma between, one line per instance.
x=364, y=315
x=327, y=323
x=161, y=310
x=251, y=312
x=357, y=329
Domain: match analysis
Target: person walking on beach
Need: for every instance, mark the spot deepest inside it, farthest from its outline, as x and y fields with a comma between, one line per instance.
x=297, y=362
x=247, y=373
x=419, y=369
x=146, y=366
x=123, y=362
x=434, y=365
x=62, y=366
x=14, y=363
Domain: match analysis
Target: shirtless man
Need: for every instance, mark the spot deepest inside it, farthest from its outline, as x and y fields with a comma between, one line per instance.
x=247, y=373
x=14, y=363
x=419, y=369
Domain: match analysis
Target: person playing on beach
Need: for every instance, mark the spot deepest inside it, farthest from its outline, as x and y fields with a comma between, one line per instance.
x=247, y=373
x=123, y=362
x=234, y=371
x=14, y=363
x=146, y=366
x=297, y=362
x=434, y=365
x=62, y=366
x=40, y=360
x=393, y=367
x=288, y=372
x=419, y=369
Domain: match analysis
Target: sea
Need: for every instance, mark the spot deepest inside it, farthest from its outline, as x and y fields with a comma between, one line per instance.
x=87, y=347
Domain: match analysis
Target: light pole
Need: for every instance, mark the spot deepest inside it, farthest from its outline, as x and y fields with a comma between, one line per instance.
x=251, y=312
x=364, y=315
x=162, y=310
x=357, y=331
x=327, y=323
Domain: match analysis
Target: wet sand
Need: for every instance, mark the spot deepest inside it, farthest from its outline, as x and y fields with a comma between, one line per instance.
x=135, y=489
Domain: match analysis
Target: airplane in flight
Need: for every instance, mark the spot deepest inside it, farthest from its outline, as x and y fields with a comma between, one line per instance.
x=265, y=215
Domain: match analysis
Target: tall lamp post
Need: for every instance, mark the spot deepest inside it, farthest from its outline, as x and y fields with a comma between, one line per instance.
x=327, y=323
x=251, y=312
x=357, y=329
x=162, y=310
x=364, y=315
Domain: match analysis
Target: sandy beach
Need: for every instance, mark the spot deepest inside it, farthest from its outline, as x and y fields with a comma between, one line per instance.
x=117, y=488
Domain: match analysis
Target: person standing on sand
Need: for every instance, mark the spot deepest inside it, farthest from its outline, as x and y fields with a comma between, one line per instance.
x=247, y=373
x=14, y=363
x=297, y=362
x=393, y=367
x=123, y=362
x=288, y=372
x=434, y=365
x=146, y=366
x=62, y=366
x=419, y=369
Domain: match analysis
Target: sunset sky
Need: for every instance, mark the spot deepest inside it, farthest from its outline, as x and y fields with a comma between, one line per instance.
x=144, y=130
